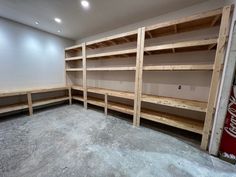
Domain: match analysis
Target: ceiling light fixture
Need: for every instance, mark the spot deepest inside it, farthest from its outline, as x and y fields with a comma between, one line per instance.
x=85, y=4
x=36, y=23
x=58, y=20
x=58, y=31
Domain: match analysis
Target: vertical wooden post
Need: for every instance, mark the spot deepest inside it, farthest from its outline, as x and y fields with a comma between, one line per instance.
x=220, y=52
x=70, y=95
x=84, y=74
x=66, y=81
x=138, y=76
x=106, y=103
x=29, y=98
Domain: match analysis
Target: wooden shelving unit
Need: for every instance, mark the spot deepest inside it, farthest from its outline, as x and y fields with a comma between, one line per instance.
x=30, y=103
x=219, y=19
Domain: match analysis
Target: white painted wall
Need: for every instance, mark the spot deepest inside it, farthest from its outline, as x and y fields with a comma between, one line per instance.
x=30, y=58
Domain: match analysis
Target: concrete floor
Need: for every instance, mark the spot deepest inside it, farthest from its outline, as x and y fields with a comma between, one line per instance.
x=70, y=141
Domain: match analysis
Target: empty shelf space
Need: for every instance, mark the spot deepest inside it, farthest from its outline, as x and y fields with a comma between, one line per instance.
x=49, y=89
x=114, y=40
x=74, y=69
x=78, y=98
x=195, y=22
x=205, y=44
x=49, y=101
x=115, y=93
x=96, y=101
x=125, y=53
x=73, y=58
x=127, y=109
x=191, y=125
x=178, y=68
x=176, y=102
x=77, y=87
x=12, y=93
x=112, y=69
x=15, y=107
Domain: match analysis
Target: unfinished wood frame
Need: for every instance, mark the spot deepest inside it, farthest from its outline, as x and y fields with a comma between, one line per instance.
x=84, y=75
x=219, y=17
x=219, y=58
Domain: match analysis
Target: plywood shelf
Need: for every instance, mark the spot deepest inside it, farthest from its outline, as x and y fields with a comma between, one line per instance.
x=127, y=109
x=75, y=48
x=118, y=39
x=74, y=58
x=96, y=101
x=195, y=22
x=179, y=68
x=121, y=53
x=176, y=102
x=48, y=89
x=191, y=125
x=49, y=101
x=74, y=69
x=112, y=69
x=186, y=46
x=78, y=98
x=77, y=87
x=15, y=107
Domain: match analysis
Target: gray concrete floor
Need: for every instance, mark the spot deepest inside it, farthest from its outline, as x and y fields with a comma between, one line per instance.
x=70, y=141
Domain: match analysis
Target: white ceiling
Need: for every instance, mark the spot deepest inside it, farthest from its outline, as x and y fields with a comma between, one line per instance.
x=103, y=15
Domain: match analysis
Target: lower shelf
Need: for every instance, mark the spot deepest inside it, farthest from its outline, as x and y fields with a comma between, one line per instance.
x=191, y=125
x=96, y=101
x=121, y=108
x=14, y=107
x=78, y=98
x=49, y=101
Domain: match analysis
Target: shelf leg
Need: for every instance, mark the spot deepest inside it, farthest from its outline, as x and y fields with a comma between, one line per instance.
x=29, y=97
x=70, y=96
x=220, y=52
x=106, y=104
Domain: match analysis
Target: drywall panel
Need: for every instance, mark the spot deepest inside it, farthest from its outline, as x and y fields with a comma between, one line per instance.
x=29, y=57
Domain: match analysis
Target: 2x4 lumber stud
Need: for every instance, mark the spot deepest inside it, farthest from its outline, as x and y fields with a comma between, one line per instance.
x=138, y=76
x=106, y=103
x=84, y=75
x=220, y=52
x=29, y=97
x=70, y=96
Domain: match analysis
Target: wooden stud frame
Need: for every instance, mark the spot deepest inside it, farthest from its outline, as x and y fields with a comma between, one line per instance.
x=203, y=20
x=220, y=52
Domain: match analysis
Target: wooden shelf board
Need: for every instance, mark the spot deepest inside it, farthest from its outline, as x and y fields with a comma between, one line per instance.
x=112, y=54
x=75, y=47
x=12, y=93
x=77, y=87
x=96, y=101
x=49, y=89
x=186, y=45
x=117, y=39
x=14, y=107
x=174, y=121
x=120, y=108
x=176, y=102
x=78, y=98
x=49, y=101
x=191, y=23
x=112, y=69
x=73, y=58
x=74, y=69
x=179, y=68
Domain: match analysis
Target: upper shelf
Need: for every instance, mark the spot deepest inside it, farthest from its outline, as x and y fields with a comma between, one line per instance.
x=121, y=53
x=122, y=38
x=179, y=68
x=196, y=45
x=195, y=22
x=74, y=48
x=74, y=58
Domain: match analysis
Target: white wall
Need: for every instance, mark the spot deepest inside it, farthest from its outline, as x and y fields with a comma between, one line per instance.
x=30, y=58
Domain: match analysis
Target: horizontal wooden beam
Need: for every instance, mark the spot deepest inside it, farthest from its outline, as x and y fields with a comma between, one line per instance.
x=115, y=53
x=178, y=68
x=112, y=69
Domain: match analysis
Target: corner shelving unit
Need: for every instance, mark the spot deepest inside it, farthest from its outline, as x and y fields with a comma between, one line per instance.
x=212, y=19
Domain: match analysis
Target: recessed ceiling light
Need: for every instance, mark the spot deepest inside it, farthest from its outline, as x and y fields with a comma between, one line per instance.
x=58, y=31
x=58, y=20
x=36, y=23
x=85, y=4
